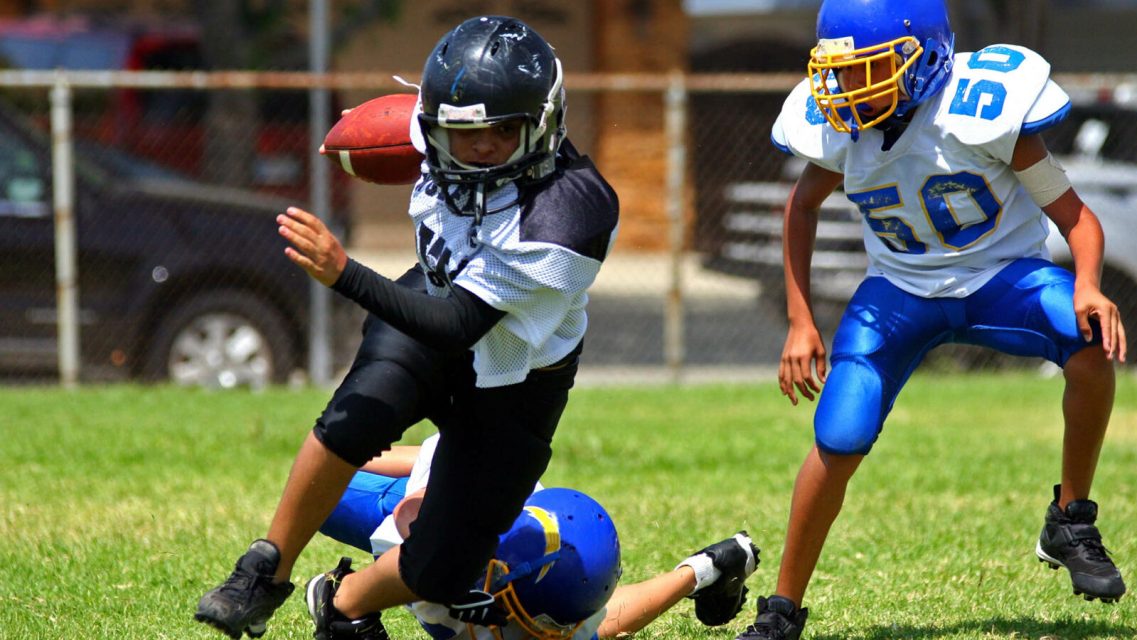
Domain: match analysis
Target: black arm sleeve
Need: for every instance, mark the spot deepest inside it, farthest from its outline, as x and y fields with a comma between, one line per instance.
x=453, y=323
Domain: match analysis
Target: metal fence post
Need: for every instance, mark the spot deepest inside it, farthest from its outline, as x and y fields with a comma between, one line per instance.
x=63, y=195
x=320, y=327
x=675, y=125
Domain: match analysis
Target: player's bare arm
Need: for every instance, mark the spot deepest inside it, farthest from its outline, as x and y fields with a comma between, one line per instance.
x=314, y=248
x=804, y=350
x=1083, y=232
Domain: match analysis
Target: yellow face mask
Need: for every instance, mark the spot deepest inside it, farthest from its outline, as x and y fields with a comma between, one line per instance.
x=881, y=67
x=540, y=627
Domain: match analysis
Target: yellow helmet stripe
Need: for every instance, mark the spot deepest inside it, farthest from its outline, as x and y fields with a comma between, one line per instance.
x=552, y=530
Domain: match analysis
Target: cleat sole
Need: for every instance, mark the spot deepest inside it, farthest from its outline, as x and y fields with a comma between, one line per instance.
x=216, y=625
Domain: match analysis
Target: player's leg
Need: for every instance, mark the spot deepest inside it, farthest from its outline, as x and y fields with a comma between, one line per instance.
x=491, y=452
x=1087, y=403
x=380, y=397
x=818, y=495
x=378, y=401
x=882, y=337
x=1070, y=537
x=1027, y=310
x=368, y=500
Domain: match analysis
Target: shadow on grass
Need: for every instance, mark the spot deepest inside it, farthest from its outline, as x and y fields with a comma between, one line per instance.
x=997, y=627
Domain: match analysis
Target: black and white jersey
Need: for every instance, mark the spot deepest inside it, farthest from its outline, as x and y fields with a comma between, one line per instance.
x=533, y=255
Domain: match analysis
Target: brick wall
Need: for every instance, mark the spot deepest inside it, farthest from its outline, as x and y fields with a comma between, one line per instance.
x=637, y=36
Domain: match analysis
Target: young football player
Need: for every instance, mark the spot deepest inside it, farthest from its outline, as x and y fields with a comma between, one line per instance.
x=482, y=337
x=554, y=574
x=941, y=153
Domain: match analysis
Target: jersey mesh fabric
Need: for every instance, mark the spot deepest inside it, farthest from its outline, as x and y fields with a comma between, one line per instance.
x=541, y=286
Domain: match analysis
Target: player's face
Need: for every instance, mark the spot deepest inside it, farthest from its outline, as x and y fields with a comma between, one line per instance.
x=487, y=146
x=857, y=76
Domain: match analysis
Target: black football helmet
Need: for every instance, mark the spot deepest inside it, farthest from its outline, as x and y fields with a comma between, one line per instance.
x=485, y=71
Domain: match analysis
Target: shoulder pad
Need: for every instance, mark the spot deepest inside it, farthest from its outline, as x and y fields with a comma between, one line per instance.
x=997, y=93
x=802, y=130
x=577, y=210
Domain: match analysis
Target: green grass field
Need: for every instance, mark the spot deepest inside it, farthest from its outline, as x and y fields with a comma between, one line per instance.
x=122, y=505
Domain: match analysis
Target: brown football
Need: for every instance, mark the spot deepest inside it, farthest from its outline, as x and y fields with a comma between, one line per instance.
x=373, y=141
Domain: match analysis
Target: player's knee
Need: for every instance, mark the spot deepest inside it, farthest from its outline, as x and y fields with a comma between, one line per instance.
x=846, y=442
x=345, y=443
x=851, y=411
x=1089, y=366
x=375, y=404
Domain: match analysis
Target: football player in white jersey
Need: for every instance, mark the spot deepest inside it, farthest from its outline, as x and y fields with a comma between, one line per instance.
x=554, y=574
x=941, y=153
x=481, y=337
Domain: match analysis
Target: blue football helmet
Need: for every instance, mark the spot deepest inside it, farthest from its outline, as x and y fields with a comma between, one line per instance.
x=910, y=40
x=557, y=565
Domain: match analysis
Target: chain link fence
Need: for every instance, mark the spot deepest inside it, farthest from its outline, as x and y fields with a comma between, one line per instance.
x=178, y=272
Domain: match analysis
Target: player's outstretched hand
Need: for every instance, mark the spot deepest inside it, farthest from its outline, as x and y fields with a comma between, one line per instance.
x=1090, y=302
x=803, y=351
x=314, y=249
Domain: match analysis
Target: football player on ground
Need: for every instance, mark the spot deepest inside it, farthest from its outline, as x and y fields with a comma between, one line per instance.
x=482, y=337
x=554, y=574
x=941, y=153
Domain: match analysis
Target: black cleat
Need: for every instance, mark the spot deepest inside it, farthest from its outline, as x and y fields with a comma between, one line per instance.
x=248, y=598
x=330, y=623
x=1070, y=539
x=778, y=619
x=735, y=558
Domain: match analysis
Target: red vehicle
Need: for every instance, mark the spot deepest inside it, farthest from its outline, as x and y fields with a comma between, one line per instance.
x=167, y=126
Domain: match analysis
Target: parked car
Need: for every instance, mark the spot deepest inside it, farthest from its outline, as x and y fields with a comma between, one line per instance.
x=1092, y=145
x=177, y=279
x=166, y=126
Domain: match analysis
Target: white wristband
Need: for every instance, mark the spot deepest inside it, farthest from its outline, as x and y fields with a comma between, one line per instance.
x=704, y=568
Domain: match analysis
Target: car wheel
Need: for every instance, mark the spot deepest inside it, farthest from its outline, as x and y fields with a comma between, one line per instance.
x=221, y=340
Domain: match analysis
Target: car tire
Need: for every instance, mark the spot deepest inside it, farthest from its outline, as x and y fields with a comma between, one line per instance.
x=221, y=339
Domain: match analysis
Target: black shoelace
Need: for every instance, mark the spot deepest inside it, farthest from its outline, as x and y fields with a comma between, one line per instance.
x=772, y=629
x=1095, y=550
x=241, y=583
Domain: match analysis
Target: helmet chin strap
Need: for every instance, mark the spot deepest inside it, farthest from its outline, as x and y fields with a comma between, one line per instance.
x=479, y=212
x=475, y=194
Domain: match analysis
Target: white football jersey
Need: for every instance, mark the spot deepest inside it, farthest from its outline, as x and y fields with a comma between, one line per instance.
x=435, y=619
x=942, y=210
x=533, y=257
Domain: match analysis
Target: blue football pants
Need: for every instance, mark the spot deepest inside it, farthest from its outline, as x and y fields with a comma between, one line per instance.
x=1025, y=310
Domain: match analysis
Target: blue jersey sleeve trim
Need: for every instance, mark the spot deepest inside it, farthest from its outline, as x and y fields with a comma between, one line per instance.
x=781, y=147
x=1031, y=128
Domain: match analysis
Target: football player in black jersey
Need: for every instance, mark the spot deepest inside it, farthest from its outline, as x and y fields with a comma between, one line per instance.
x=481, y=337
